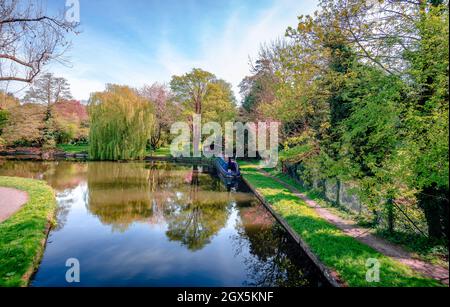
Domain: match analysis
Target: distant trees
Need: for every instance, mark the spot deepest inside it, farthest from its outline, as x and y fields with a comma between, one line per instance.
x=166, y=111
x=30, y=39
x=25, y=125
x=219, y=104
x=121, y=124
x=48, y=90
x=191, y=88
x=201, y=92
x=7, y=102
x=71, y=122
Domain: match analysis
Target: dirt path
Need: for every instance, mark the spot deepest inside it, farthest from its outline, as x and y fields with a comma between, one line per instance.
x=11, y=200
x=363, y=235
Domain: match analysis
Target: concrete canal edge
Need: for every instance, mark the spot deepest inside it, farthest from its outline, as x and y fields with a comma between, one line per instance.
x=181, y=160
x=329, y=274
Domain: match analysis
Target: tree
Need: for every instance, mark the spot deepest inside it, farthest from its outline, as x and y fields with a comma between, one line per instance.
x=71, y=122
x=361, y=89
x=48, y=90
x=200, y=92
x=190, y=89
x=219, y=104
x=8, y=101
x=427, y=122
x=160, y=97
x=121, y=124
x=24, y=126
x=30, y=39
x=260, y=87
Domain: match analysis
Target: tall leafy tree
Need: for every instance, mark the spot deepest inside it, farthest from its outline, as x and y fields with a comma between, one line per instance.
x=166, y=111
x=201, y=92
x=121, y=124
x=49, y=90
x=191, y=88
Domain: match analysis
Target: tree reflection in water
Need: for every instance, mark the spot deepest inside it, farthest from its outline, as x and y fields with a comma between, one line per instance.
x=179, y=204
x=274, y=259
x=180, y=198
x=192, y=213
x=63, y=176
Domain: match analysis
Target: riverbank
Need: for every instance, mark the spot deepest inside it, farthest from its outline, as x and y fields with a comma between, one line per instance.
x=66, y=151
x=23, y=235
x=343, y=254
x=416, y=246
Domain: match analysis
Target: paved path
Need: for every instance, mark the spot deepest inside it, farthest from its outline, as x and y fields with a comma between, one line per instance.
x=363, y=235
x=11, y=200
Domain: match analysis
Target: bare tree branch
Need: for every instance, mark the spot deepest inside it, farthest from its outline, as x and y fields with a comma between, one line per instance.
x=30, y=39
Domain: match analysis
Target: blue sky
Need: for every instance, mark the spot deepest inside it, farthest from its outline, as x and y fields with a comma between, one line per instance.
x=143, y=41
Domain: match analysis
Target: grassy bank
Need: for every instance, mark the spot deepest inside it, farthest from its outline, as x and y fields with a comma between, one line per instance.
x=73, y=149
x=341, y=253
x=23, y=235
x=432, y=251
x=160, y=152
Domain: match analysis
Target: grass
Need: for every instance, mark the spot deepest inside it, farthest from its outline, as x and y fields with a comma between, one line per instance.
x=73, y=149
x=22, y=235
x=361, y=219
x=432, y=251
x=160, y=152
x=341, y=253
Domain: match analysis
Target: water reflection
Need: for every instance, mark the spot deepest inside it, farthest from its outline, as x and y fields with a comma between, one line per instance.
x=160, y=225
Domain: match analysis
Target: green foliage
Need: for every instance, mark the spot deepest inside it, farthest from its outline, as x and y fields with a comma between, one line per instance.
x=201, y=92
x=363, y=107
x=191, y=88
x=8, y=101
x=25, y=125
x=121, y=124
x=71, y=122
x=434, y=251
x=74, y=149
x=22, y=235
x=3, y=119
x=336, y=250
x=219, y=105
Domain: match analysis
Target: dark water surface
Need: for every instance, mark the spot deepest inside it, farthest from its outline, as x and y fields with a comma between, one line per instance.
x=141, y=224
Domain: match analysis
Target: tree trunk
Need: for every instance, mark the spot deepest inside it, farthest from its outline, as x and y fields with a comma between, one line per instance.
x=434, y=203
x=390, y=215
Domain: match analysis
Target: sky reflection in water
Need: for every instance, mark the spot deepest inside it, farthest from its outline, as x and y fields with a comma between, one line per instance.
x=137, y=224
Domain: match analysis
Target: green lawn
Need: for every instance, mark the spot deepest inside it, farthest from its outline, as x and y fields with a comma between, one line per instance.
x=22, y=235
x=73, y=149
x=433, y=251
x=341, y=253
x=160, y=152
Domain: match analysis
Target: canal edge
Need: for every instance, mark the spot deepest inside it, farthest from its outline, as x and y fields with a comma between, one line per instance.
x=51, y=223
x=329, y=274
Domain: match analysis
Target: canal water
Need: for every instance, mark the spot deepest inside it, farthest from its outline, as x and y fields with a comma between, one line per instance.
x=157, y=224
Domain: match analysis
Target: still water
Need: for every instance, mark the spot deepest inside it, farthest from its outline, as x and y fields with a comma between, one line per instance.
x=145, y=224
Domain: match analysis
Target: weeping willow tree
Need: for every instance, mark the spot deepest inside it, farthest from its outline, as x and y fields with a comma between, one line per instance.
x=121, y=124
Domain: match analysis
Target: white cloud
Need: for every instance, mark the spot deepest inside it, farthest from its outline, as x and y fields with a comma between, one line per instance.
x=227, y=53
x=98, y=58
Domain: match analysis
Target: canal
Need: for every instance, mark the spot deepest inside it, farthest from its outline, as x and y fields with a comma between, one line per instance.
x=160, y=224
